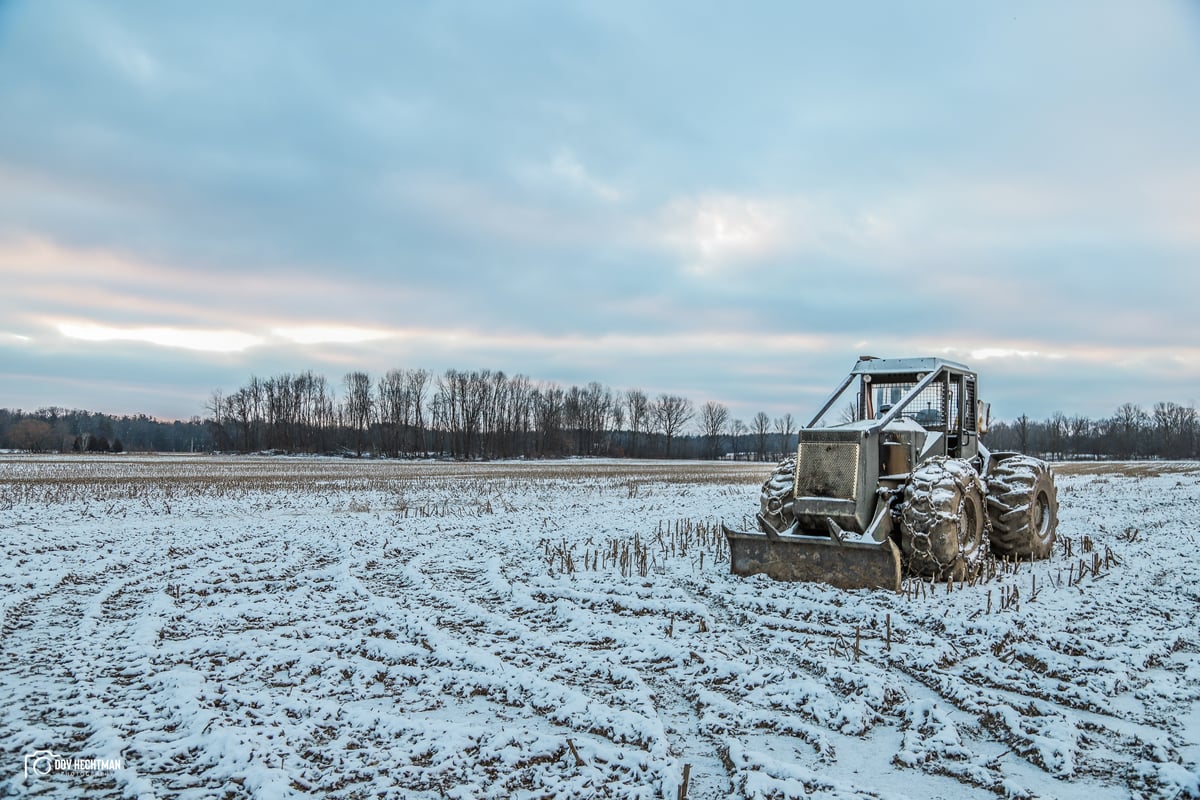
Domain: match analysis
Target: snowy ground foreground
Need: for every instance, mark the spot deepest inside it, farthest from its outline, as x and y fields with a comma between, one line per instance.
x=293, y=627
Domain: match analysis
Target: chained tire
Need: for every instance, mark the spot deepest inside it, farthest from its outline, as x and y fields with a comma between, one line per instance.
x=778, y=495
x=1022, y=504
x=943, y=521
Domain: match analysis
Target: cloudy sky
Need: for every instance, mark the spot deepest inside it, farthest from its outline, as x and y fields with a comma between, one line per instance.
x=730, y=201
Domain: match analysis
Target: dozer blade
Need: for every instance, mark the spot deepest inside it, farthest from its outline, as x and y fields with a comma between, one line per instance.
x=846, y=565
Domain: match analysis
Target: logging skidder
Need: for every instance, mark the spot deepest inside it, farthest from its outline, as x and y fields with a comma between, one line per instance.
x=891, y=478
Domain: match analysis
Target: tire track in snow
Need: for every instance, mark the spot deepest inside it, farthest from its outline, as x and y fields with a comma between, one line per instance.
x=545, y=652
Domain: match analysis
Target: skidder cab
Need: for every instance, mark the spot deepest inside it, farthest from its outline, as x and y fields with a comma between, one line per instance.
x=891, y=477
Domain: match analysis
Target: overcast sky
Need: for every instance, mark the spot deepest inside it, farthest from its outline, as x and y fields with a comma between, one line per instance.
x=729, y=201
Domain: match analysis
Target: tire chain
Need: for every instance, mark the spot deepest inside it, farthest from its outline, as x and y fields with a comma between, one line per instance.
x=926, y=524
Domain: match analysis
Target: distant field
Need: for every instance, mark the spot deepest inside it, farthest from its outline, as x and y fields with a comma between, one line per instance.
x=114, y=476
x=274, y=627
x=1127, y=468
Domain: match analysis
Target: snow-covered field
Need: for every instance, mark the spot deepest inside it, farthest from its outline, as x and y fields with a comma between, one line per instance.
x=273, y=627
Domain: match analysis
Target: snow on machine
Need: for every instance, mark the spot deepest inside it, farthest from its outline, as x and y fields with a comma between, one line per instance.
x=891, y=478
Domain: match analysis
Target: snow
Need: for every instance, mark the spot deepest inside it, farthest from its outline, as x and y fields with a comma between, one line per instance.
x=279, y=627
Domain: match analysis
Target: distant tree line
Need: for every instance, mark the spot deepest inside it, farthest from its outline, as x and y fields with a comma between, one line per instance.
x=1168, y=430
x=477, y=414
x=488, y=414
x=60, y=430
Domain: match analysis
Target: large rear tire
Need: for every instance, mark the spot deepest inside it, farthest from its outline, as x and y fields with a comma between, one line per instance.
x=778, y=493
x=944, y=522
x=1023, y=506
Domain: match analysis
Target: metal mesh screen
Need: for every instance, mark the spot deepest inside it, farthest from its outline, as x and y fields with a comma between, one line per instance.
x=927, y=408
x=827, y=469
x=969, y=407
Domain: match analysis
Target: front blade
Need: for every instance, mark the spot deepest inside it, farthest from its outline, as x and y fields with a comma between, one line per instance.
x=846, y=565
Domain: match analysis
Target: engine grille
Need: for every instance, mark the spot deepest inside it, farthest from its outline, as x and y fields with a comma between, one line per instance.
x=827, y=469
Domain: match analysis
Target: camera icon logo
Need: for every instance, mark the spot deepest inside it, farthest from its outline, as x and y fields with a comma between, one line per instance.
x=39, y=762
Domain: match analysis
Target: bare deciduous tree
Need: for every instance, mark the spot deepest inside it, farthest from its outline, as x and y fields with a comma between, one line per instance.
x=393, y=408
x=548, y=410
x=1128, y=424
x=737, y=430
x=762, y=427
x=713, y=419
x=358, y=406
x=671, y=412
x=638, y=406
x=1023, y=432
x=785, y=426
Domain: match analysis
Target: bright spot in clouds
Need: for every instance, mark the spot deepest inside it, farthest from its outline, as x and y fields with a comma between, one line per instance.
x=219, y=341
x=204, y=340
x=715, y=230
